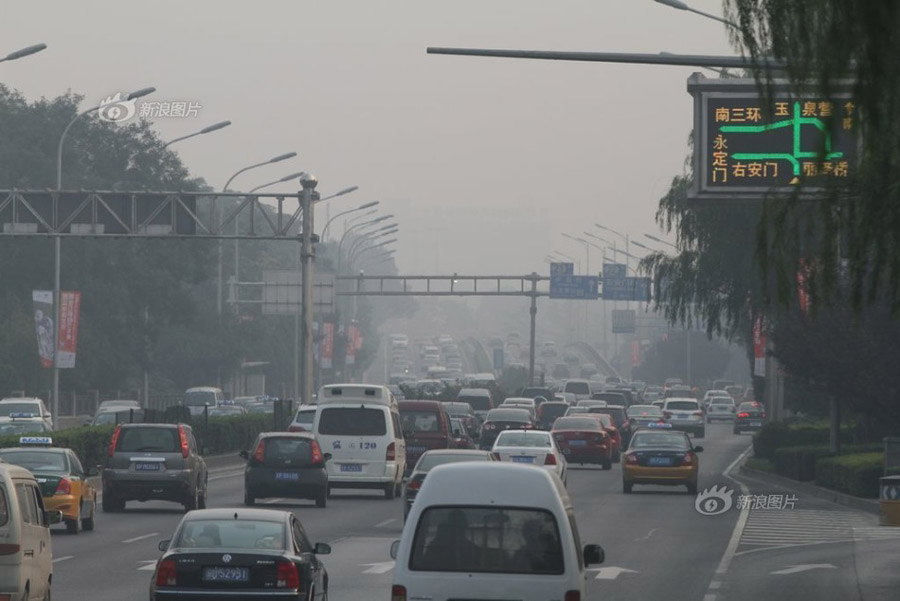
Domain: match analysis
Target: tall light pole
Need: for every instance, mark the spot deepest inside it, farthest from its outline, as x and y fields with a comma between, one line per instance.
x=682, y=6
x=277, y=159
x=23, y=52
x=57, y=240
x=286, y=178
x=205, y=130
x=361, y=207
x=307, y=257
x=350, y=229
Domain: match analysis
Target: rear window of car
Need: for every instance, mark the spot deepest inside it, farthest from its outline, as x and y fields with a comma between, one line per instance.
x=508, y=415
x=487, y=540
x=199, y=398
x=37, y=461
x=618, y=415
x=288, y=448
x=576, y=423
x=577, y=388
x=478, y=403
x=682, y=405
x=305, y=416
x=667, y=440
x=7, y=409
x=430, y=461
x=644, y=411
x=553, y=409
x=420, y=421
x=150, y=440
x=231, y=534
x=750, y=408
x=524, y=439
x=458, y=408
x=352, y=421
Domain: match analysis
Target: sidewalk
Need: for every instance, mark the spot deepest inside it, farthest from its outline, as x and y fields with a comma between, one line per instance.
x=866, y=505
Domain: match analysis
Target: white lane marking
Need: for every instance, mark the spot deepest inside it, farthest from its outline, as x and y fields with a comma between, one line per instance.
x=805, y=568
x=149, y=565
x=725, y=562
x=228, y=475
x=385, y=523
x=378, y=568
x=649, y=534
x=714, y=585
x=272, y=501
x=63, y=558
x=142, y=537
x=611, y=573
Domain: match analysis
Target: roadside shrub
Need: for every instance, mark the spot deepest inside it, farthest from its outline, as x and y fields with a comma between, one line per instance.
x=855, y=475
x=777, y=435
x=799, y=463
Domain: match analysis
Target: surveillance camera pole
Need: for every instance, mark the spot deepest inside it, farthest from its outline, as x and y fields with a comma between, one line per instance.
x=307, y=255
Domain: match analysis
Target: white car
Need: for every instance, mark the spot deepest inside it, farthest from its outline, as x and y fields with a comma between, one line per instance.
x=25, y=409
x=532, y=447
x=720, y=408
x=303, y=421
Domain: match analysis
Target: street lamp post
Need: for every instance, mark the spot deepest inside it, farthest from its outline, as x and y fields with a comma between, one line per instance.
x=307, y=256
x=205, y=130
x=682, y=6
x=660, y=241
x=23, y=52
x=57, y=240
x=361, y=207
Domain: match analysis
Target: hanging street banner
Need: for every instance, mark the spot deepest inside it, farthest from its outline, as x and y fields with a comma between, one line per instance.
x=69, y=313
x=747, y=146
x=43, y=325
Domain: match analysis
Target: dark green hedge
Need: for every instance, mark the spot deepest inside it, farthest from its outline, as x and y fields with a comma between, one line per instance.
x=777, y=435
x=799, y=462
x=89, y=443
x=856, y=475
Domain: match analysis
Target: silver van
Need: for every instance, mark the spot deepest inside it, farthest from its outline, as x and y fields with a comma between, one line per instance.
x=26, y=564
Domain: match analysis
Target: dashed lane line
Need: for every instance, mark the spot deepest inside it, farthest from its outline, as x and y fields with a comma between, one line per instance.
x=142, y=537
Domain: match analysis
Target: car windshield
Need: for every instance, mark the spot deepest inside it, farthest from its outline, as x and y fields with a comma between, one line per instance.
x=618, y=415
x=639, y=411
x=473, y=539
x=261, y=408
x=578, y=388
x=576, y=423
x=37, y=461
x=231, y=534
x=460, y=409
x=551, y=410
x=21, y=427
x=147, y=439
x=432, y=460
x=305, y=416
x=8, y=409
x=420, y=421
x=681, y=405
x=352, y=421
x=478, y=403
x=523, y=439
x=117, y=417
x=508, y=415
x=221, y=411
x=199, y=398
x=659, y=440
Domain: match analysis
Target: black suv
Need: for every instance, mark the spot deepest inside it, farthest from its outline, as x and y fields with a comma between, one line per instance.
x=154, y=462
x=286, y=464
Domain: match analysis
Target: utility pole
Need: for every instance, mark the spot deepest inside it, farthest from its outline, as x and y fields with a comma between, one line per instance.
x=307, y=255
x=531, y=343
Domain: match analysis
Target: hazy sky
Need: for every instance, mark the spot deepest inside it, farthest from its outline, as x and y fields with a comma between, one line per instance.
x=484, y=161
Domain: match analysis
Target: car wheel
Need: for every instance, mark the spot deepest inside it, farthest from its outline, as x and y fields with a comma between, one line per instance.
x=73, y=526
x=322, y=499
x=248, y=500
x=191, y=502
x=201, y=498
x=692, y=488
x=700, y=433
x=607, y=464
x=390, y=490
x=617, y=457
x=626, y=487
x=87, y=524
x=110, y=503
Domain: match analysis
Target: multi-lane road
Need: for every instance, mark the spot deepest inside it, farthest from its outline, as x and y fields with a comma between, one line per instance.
x=657, y=544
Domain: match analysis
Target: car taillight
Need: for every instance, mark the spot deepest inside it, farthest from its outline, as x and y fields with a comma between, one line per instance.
x=488, y=427
x=259, y=455
x=496, y=456
x=550, y=459
x=415, y=484
x=630, y=459
x=64, y=487
x=391, y=453
x=9, y=549
x=166, y=573
x=317, y=453
x=527, y=427
x=666, y=415
x=398, y=593
x=698, y=413
x=287, y=575
x=573, y=596
x=295, y=428
x=114, y=440
x=743, y=415
x=184, y=442
x=763, y=416
x=688, y=459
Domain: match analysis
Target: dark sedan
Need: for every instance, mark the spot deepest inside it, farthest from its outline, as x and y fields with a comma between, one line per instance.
x=286, y=464
x=501, y=419
x=750, y=416
x=429, y=461
x=247, y=554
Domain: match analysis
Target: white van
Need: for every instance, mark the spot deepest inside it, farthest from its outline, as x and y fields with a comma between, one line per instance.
x=491, y=531
x=197, y=399
x=26, y=562
x=360, y=426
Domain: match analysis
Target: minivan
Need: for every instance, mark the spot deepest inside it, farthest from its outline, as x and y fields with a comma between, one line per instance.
x=359, y=425
x=425, y=426
x=196, y=399
x=491, y=530
x=26, y=553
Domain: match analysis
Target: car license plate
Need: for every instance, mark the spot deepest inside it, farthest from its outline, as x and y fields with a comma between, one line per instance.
x=660, y=461
x=682, y=415
x=416, y=449
x=146, y=467
x=577, y=443
x=287, y=475
x=226, y=574
x=523, y=459
x=351, y=467
x=756, y=423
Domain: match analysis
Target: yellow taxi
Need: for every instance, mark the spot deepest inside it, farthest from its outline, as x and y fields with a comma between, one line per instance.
x=61, y=477
x=657, y=454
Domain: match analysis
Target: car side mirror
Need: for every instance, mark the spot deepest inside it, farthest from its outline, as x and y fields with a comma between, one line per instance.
x=593, y=555
x=698, y=449
x=244, y=454
x=395, y=548
x=163, y=545
x=92, y=471
x=327, y=456
x=322, y=549
x=53, y=517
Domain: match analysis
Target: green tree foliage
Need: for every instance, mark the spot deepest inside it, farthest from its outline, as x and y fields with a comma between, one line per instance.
x=824, y=42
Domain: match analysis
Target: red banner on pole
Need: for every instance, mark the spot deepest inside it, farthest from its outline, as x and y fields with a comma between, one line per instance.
x=352, y=336
x=67, y=339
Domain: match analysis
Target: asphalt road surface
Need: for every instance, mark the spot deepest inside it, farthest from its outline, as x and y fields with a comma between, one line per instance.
x=658, y=546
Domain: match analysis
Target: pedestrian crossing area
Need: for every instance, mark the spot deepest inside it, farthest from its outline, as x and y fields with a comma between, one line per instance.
x=793, y=527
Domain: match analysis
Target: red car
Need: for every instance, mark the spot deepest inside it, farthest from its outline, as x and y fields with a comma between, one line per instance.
x=426, y=426
x=582, y=439
x=609, y=424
